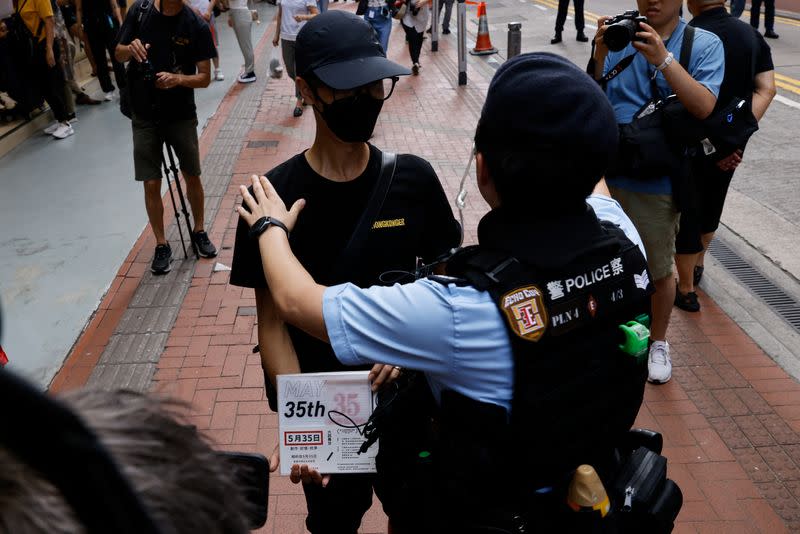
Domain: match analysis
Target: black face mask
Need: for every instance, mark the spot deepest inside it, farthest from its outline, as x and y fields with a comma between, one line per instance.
x=352, y=119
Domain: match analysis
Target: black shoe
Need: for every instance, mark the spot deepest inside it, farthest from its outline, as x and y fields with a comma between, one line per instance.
x=162, y=260
x=687, y=301
x=297, y=111
x=698, y=275
x=771, y=34
x=86, y=100
x=556, y=39
x=582, y=37
x=446, y=31
x=204, y=246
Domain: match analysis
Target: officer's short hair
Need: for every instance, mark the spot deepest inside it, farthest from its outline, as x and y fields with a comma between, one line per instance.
x=547, y=132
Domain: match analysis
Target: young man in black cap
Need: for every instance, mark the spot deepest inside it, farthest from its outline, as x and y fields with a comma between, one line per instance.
x=521, y=349
x=369, y=213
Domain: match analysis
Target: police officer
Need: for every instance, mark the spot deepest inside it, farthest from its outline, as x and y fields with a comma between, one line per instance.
x=520, y=347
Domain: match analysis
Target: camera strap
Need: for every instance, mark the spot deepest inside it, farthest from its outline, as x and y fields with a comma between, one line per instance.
x=351, y=254
x=617, y=70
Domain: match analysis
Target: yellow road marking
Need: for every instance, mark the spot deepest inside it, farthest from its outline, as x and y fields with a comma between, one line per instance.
x=786, y=79
x=793, y=88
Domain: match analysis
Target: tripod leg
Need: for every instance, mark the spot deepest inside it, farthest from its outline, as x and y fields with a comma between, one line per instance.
x=182, y=198
x=174, y=205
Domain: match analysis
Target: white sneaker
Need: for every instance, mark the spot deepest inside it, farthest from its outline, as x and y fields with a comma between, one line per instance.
x=218, y=75
x=63, y=131
x=109, y=96
x=52, y=128
x=659, y=364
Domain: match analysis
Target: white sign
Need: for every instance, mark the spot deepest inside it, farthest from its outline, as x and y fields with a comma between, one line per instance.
x=321, y=417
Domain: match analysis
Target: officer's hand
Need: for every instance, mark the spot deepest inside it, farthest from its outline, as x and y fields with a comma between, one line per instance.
x=265, y=202
x=600, y=48
x=383, y=375
x=652, y=48
x=306, y=475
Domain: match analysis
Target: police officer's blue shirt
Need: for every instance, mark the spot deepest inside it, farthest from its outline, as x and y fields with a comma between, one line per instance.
x=630, y=91
x=455, y=335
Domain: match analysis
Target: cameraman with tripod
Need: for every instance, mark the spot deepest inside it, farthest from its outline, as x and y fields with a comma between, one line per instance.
x=171, y=48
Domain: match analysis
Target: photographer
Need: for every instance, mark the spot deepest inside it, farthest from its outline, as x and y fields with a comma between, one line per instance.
x=653, y=202
x=510, y=328
x=170, y=48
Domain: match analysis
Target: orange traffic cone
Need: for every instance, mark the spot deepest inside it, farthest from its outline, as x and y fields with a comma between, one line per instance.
x=483, y=46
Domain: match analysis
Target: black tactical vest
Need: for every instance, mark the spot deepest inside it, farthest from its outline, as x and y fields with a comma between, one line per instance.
x=575, y=392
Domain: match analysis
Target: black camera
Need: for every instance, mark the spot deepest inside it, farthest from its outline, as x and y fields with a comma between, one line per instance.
x=621, y=30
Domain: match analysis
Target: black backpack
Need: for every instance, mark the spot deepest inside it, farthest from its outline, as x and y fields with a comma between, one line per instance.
x=143, y=9
x=23, y=41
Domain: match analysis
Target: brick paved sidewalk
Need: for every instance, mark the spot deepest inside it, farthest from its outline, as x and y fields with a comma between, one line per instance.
x=730, y=416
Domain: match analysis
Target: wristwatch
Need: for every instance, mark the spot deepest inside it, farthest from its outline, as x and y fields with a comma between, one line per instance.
x=261, y=225
x=667, y=62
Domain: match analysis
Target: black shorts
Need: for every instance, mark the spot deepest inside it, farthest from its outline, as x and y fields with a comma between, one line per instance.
x=704, y=204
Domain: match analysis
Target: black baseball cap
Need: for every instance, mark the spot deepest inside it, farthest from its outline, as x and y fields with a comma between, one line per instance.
x=343, y=51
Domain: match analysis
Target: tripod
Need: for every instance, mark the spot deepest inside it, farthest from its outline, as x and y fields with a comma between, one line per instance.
x=174, y=169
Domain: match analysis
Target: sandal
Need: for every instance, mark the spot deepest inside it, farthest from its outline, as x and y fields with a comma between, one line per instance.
x=698, y=274
x=686, y=301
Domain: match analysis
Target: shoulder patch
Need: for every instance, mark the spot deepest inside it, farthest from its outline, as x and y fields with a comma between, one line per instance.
x=525, y=312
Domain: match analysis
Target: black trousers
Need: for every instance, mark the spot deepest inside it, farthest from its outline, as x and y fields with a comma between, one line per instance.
x=561, y=18
x=50, y=81
x=414, y=42
x=103, y=38
x=769, y=13
x=448, y=12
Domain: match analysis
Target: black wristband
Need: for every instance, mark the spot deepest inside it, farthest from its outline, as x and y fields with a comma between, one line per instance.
x=261, y=225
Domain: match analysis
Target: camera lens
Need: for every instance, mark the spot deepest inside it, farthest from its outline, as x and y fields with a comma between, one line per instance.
x=618, y=35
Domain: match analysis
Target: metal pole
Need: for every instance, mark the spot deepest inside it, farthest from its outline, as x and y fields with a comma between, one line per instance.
x=435, y=26
x=514, y=39
x=462, y=43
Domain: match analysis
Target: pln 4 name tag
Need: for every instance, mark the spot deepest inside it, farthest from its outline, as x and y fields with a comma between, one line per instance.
x=321, y=420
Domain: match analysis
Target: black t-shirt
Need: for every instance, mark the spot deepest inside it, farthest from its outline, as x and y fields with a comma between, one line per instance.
x=746, y=53
x=177, y=44
x=415, y=221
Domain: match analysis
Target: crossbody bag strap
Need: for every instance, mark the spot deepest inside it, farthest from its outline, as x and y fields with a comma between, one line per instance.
x=351, y=253
x=687, y=44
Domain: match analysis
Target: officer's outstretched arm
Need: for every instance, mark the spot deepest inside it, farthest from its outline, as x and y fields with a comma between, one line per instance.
x=297, y=297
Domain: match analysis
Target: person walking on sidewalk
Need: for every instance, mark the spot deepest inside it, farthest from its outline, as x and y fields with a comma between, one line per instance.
x=292, y=16
x=101, y=20
x=561, y=18
x=240, y=18
x=37, y=16
x=205, y=10
x=171, y=49
x=448, y=14
x=414, y=23
x=514, y=325
x=355, y=229
x=654, y=202
x=749, y=72
x=379, y=16
x=769, y=17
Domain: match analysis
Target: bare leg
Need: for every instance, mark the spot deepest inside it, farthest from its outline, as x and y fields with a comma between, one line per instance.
x=194, y=190
x=686, y=263
x=155, y=209
x=706, y=239
x=662, y=302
